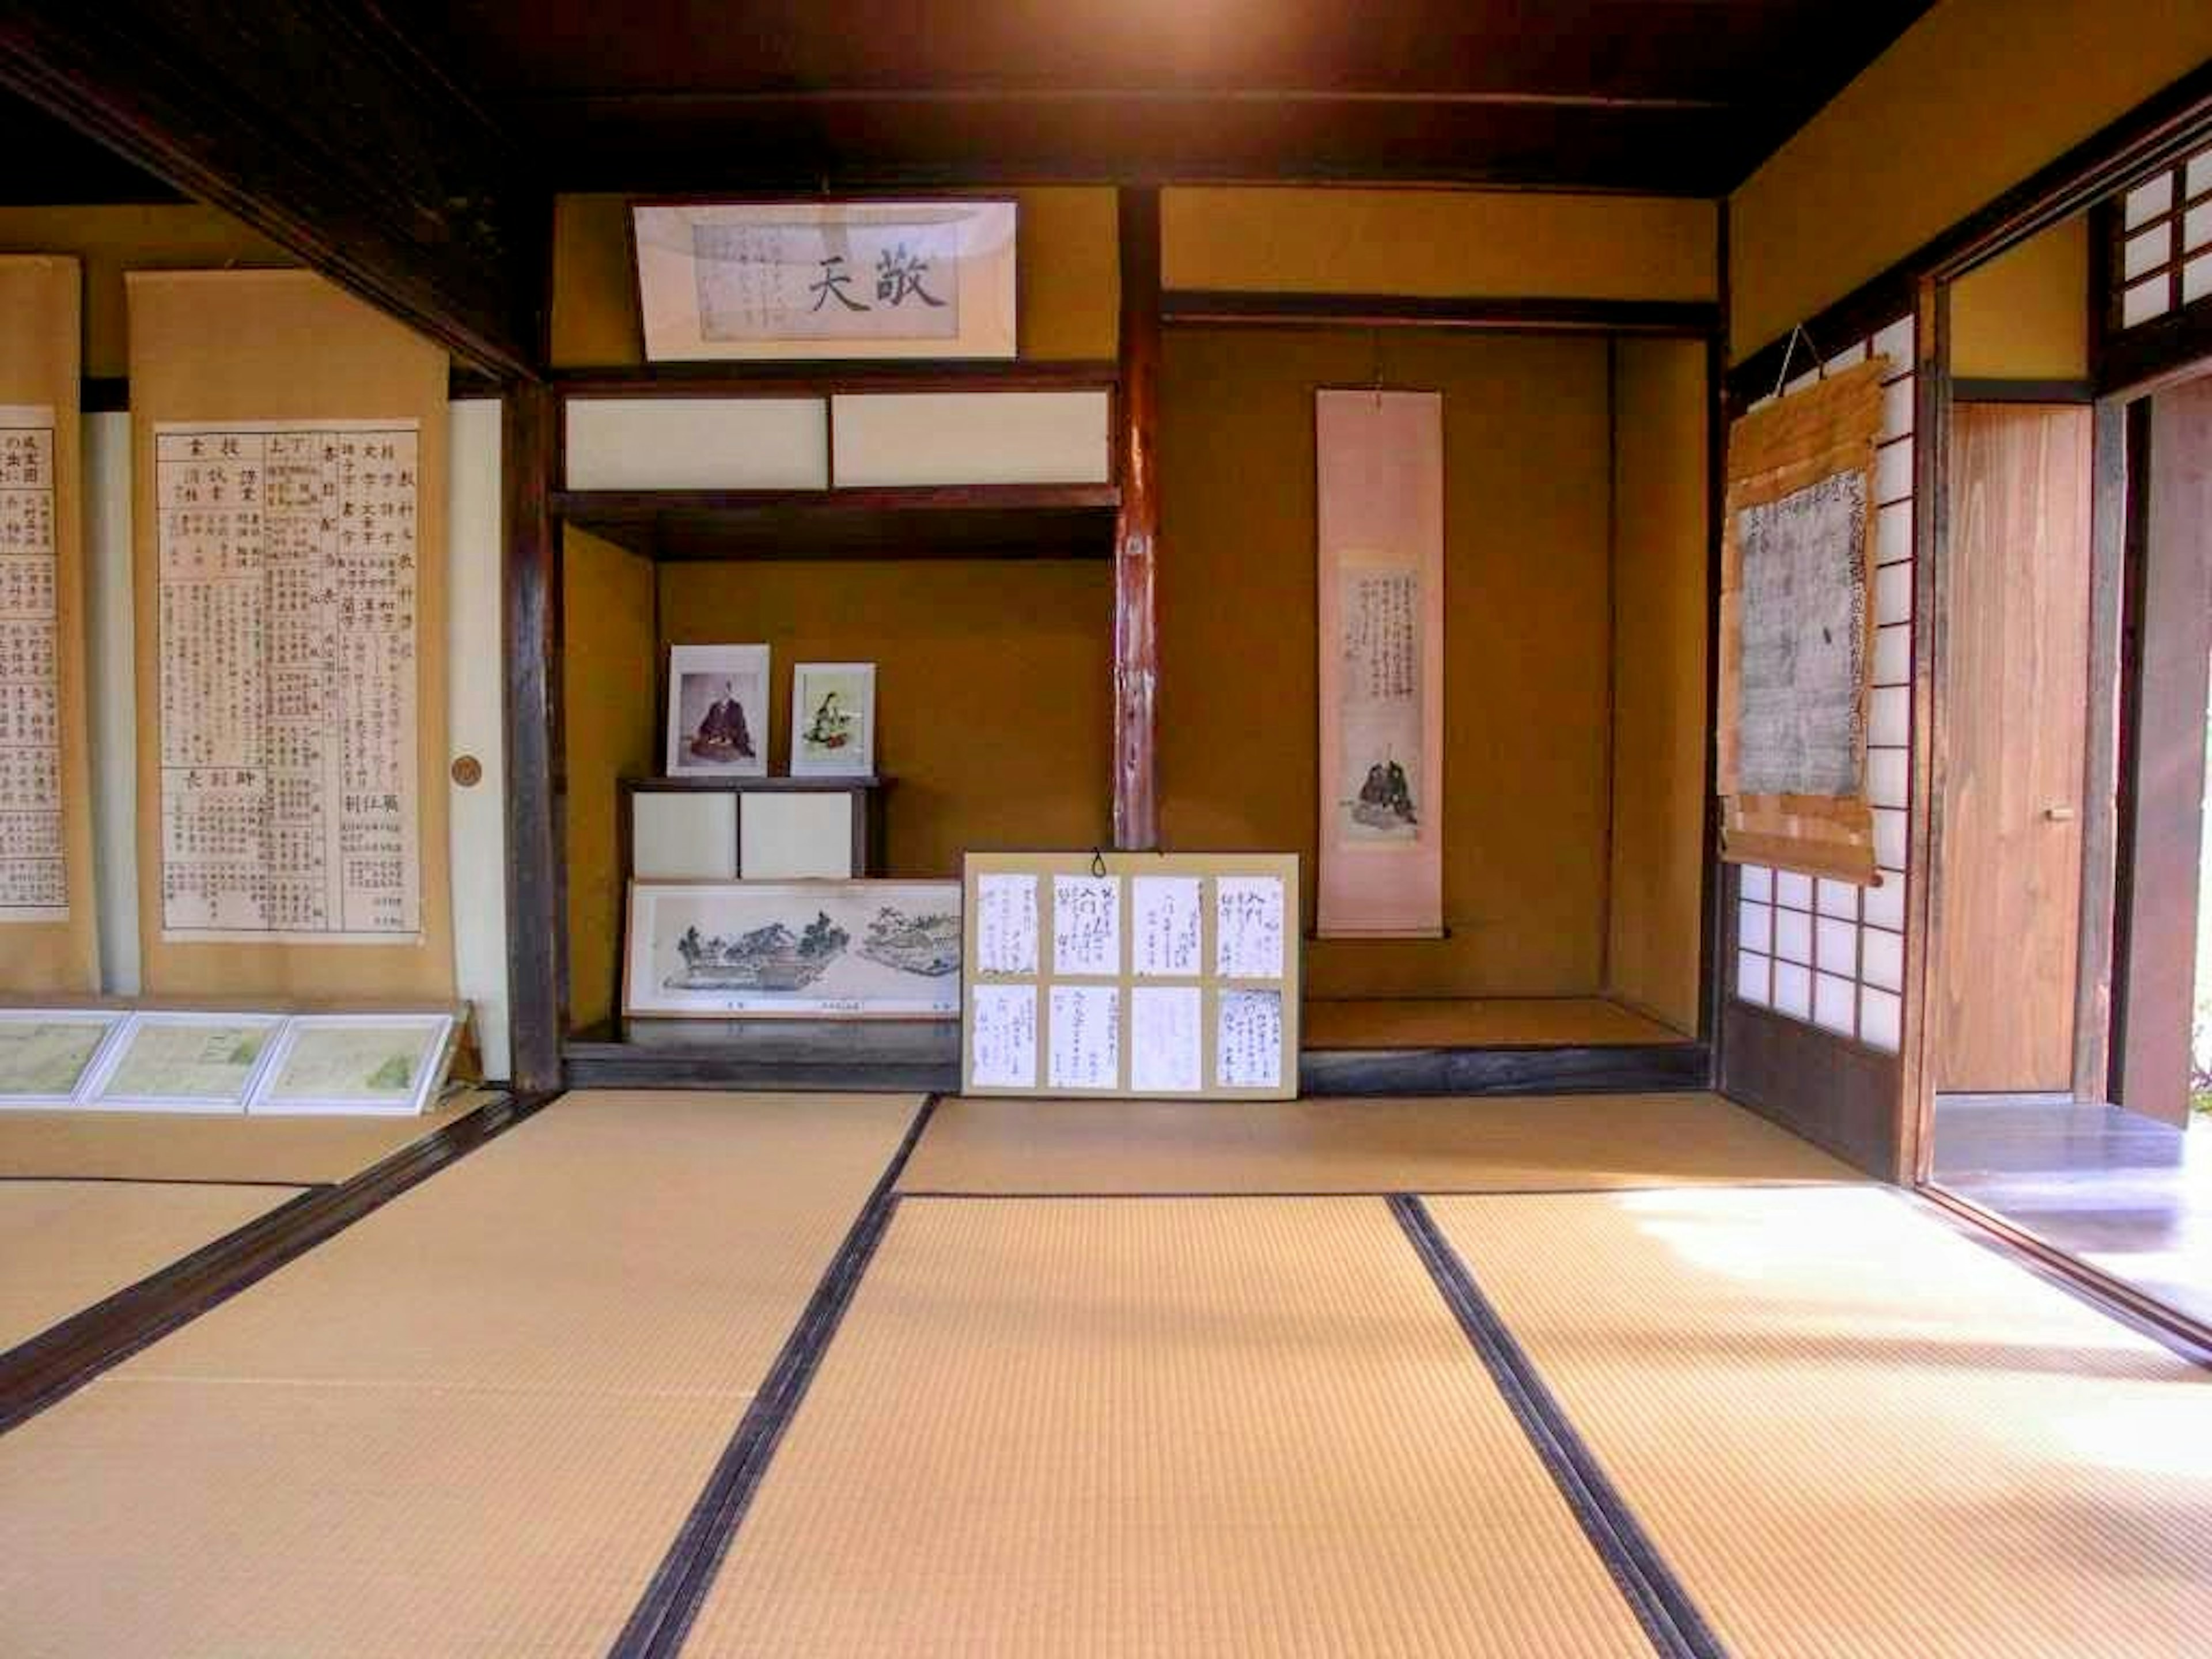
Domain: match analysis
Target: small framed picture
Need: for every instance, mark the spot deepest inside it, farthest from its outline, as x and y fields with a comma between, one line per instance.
x=833, y=719
x=364, y=1063
x=717, y=711
x=168, y=1060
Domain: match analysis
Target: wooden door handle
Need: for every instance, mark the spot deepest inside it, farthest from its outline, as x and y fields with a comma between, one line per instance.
x=2060, y=813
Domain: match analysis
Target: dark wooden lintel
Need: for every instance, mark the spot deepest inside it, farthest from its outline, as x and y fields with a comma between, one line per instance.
x=824, y=379
x=1695, y=318
x=2022, y=392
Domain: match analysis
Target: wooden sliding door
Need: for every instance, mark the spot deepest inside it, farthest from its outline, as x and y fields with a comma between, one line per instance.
x=2015, y=712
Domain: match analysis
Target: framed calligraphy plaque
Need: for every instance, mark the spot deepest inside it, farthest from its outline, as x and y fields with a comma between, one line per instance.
x=815, y=279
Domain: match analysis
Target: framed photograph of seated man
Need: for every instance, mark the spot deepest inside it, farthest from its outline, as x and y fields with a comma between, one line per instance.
x=718, y=711
x=815, y=279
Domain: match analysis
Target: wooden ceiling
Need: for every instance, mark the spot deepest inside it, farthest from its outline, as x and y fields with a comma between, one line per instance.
x=1673, y=96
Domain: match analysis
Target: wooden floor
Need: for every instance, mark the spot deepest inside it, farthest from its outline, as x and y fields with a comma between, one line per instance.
x=660, y=1373
x=2126, y=1193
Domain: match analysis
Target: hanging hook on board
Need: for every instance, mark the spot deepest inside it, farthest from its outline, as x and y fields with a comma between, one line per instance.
x=1798, y=332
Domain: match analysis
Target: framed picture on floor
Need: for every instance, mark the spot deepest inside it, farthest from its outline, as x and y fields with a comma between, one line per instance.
x=833, y=719
x=718, y=711
x=795, y=949
x=165, y=1062
x=382, y=1063
x=47, y=1054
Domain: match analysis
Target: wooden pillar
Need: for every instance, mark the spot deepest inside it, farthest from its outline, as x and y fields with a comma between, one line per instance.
x=536, y=923
x=1136, y=537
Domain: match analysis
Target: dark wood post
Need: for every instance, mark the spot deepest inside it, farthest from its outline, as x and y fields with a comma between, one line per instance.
x=1136, y=537
x=537, y=929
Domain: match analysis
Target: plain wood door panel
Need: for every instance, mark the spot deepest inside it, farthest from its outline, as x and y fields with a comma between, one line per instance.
x=2169, y=749
x=2016, y=715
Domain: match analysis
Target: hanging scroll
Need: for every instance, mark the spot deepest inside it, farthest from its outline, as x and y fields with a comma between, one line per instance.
x=1796, y=630
x=1134, y=975
x=290, y=450
x=47, y=938
x=1379, y=459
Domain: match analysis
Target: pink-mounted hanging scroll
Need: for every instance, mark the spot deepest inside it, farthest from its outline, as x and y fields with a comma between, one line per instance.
x=1379, y=469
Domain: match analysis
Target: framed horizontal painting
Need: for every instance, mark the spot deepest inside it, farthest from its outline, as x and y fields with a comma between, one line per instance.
x=833, y=719
x=46, y=1054
x=718, y=711
x=174, y=1061
x=375, y=1064
x=793, y=950
x=816, y=279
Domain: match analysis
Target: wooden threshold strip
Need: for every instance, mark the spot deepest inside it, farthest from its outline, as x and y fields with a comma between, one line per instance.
x=2169, y=1328
x=63, y=1358
x=666, y=1613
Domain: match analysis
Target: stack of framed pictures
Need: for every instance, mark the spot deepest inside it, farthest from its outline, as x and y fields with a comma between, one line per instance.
x=189, y=1060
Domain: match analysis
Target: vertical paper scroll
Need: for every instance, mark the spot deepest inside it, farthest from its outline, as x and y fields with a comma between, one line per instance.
x=1379, y=465
x=290, y=450
x=48, y=939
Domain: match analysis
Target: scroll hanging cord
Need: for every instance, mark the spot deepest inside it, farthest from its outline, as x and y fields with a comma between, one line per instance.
x=1098, y=865
x=1798, y=332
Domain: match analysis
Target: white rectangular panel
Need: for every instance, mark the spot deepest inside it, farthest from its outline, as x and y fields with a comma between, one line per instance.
x=682, y=837
x=697, y=443
x=972, y=437
x=793, y=837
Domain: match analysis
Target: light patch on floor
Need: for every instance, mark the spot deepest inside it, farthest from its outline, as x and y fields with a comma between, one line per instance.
x=1856, y=1434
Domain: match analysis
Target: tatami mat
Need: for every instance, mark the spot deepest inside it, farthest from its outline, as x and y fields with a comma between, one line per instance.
x=67, y=1244
x=194, y=1146
x=471, y=1423
x=1858, y=1435
x=1476, y=1023
x=1507, y=1144
x=1209, y=1427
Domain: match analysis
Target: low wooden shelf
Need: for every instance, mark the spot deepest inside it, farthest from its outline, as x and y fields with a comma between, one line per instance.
x=955, y=521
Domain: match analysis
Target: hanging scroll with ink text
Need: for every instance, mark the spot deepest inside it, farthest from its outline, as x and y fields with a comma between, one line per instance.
x=1797, y=628
x=289, y=555
x=1379, y=459
x=48, y=928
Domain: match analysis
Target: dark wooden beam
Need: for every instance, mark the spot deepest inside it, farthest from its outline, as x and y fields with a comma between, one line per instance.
x=1696, y=319
x=323, y=126
x=830, y=378
x=1136, y=539
x=2022, y=392
x=537, y=914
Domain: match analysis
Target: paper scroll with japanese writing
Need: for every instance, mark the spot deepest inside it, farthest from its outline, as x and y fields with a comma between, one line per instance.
x=289, y=636
x=1379, y=459
x=1797, y=629
x=33, y=873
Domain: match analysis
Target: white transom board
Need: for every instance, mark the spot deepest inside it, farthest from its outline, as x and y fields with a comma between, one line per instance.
x=1130, y=976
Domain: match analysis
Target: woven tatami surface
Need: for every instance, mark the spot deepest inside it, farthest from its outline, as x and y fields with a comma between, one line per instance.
x=1856, y=1434
x=471, y=1424
x=1505, y=1145
x=206, y=1146
x=1125, y=1427
x=66, y=1244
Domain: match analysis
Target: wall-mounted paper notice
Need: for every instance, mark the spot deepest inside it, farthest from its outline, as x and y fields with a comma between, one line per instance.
x=1166, y=1027
x=33, y=885
x=1006, y=925
x=1248, y=1040
x=1086, y=1036
x=1086, y=925
x=1165, y=917
x=1247, y=927
x=1003, y=1019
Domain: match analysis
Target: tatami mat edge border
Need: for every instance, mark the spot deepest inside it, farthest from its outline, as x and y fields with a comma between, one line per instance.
x=62, y=1360
x=665, y=1614
x=1669, y=1616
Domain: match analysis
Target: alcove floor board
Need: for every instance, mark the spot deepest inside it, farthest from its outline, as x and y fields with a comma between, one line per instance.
x=1477, y=1023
